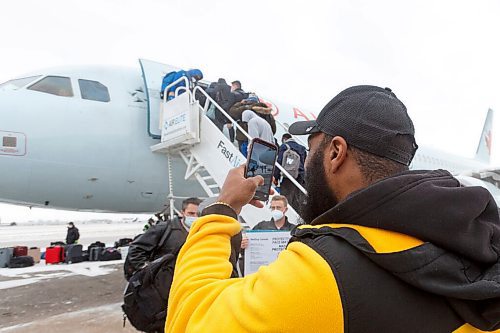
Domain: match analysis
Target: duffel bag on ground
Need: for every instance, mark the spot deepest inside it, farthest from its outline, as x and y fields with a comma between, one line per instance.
x=110, y=254
x=20, y=262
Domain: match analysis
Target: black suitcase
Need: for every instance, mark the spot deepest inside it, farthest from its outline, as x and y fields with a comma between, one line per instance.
x=85, y=255
x=110, y=254
x=96, y=244
x=95, y=253
x=73, y=254
x=22, y=261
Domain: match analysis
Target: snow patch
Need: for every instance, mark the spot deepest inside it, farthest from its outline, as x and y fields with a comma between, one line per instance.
x=39, y=272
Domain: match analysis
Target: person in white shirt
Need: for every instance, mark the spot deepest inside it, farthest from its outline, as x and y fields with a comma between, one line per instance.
x=258, y=127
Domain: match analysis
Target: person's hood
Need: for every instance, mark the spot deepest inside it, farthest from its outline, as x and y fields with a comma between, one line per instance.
x=195, y=72
x=460, y=228
x=248, y=115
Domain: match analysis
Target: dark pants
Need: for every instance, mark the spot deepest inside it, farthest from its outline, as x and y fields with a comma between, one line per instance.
x=218, y=123
x=294, y=196
x=231, y=134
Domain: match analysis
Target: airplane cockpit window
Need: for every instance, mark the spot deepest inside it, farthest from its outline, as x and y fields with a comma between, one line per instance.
x=55, y=85
x=94, y=90
x=19, y=83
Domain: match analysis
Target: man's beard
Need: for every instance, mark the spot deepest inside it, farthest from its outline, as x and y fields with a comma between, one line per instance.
x=320, y=197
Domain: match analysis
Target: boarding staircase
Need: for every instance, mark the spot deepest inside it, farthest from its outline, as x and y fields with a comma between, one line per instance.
x=187, y=131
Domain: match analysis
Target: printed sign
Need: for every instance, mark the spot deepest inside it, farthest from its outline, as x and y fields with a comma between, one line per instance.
x=230, y=154
x=180, y=121
x=263, y=248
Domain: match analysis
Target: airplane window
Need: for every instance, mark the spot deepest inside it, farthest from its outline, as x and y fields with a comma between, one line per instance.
x=55, y=85
x=19, y=83
x=94, y=91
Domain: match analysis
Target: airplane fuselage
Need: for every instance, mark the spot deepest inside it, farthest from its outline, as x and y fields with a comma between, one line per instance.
x=69, y=151
x=84, y=154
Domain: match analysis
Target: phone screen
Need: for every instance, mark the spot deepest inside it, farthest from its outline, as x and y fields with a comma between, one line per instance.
x=260, y=162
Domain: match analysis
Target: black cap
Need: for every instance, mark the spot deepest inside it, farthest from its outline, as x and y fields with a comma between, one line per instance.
x=370, y=118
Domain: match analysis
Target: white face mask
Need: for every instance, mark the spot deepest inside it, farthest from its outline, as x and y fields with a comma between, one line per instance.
x=277, y=214
x=189, y=220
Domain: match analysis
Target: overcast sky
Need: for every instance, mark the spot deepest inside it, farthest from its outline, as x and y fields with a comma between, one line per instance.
x=440, y=57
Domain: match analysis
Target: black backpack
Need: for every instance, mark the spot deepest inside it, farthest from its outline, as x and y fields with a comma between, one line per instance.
x=145, y=299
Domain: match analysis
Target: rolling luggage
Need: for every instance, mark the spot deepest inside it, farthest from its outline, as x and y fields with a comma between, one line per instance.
x=110, y=254
x=95, y=253
x=96, y=244
x=54, y=255
x=73, y=254
x=21, y=261
x=20, y=251
x=35, y=253
x=85, y=255
x=5, y=254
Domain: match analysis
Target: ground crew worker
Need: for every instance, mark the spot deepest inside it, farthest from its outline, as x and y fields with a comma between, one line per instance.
x=73, y=234
x=385, y=249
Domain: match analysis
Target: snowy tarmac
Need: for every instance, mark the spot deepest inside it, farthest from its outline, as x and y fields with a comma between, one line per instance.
x=82, y=298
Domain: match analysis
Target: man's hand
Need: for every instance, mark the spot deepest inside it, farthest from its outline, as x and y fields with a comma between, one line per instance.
x=244, y=243
x=275, y=181
x=238, y=191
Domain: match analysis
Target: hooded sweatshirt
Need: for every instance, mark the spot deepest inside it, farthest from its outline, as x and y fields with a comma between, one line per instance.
x=258, y=127
x=419, y=231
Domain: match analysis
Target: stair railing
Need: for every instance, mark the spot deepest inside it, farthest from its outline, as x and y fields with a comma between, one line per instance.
x=209, y=99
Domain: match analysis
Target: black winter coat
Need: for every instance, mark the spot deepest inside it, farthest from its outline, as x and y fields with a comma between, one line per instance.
x=72, y=236
x=223, y=96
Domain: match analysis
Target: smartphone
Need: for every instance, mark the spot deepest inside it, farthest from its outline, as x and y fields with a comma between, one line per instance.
x=261, y=162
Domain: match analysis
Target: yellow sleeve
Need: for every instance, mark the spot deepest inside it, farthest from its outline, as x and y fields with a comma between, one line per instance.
x=278, y=298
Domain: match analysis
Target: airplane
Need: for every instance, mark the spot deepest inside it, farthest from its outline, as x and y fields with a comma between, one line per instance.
x=80, y=138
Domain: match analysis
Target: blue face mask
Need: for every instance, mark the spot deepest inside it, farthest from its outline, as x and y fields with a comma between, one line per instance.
x=189, y=220
x=277, y=214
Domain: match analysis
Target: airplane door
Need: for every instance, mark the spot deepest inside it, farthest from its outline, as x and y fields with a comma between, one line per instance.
x=152, y=74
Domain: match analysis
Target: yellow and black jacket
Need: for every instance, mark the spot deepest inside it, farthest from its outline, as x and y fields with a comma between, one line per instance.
x=412, y=253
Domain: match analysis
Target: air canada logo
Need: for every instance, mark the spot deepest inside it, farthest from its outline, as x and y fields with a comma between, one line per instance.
x=488, y=140
x=233, y=157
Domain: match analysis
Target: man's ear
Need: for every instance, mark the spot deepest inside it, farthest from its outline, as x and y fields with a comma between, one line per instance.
x=337, y=153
